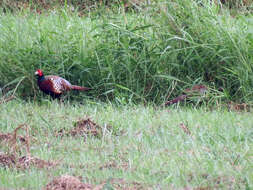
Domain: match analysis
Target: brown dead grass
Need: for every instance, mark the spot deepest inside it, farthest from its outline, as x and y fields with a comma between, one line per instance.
x=4, y=100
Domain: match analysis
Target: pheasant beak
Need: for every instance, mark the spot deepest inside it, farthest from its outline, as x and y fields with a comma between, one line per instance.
x=36, y=73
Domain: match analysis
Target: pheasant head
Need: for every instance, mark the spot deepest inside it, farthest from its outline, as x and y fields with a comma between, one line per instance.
x=39, y=73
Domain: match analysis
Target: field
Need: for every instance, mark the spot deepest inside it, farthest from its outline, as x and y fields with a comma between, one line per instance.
x=135, y=57
x=139, y=147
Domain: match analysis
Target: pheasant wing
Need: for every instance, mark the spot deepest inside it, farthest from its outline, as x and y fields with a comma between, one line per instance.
x=60, y=85
x=48, y=86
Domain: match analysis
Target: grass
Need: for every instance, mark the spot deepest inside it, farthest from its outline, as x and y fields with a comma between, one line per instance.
x=150, y=146
x=130, y=56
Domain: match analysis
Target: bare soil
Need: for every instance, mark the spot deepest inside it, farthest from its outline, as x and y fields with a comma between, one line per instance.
x=13, y=158
x=67, y=182
x=83, y=127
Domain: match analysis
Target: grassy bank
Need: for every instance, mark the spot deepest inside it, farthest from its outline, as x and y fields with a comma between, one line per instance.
x=154, y=148
x=130, y=56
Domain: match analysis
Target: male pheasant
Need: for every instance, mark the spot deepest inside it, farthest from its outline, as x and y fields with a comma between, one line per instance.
x=55, y=86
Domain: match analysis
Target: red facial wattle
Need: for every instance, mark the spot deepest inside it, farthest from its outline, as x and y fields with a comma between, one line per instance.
x=39, y=72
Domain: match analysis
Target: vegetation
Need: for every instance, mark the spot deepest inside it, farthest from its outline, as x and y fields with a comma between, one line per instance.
x=130, y=56
x=155, y=148
x=129, y=52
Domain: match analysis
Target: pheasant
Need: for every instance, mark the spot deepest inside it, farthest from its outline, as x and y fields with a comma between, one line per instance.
x=199, y=89
x=55, y=86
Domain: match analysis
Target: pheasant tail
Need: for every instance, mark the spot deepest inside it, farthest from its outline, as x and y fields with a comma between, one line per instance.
x=75, y=87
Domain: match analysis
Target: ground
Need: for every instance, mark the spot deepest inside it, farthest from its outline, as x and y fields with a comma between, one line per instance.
x=99, y=146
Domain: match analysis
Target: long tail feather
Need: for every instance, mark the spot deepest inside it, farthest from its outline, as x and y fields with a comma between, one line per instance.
x=81, y=88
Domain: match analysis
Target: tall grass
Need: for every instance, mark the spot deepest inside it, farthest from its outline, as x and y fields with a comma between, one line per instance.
x=134, y=56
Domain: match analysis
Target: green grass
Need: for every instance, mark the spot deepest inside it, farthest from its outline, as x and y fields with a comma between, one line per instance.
x=157, y=152
x=130, y=56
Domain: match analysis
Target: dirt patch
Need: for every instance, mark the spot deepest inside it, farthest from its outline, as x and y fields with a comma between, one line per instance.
x=84, y=128
x=67, y=182
x=7, y=160
x=10, y=140
x=8, y=136
x=13, y=159
x=24, y=162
